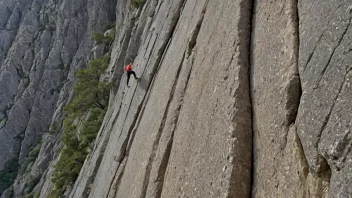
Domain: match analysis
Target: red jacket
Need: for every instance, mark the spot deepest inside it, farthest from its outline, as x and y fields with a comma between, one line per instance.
x=128, y=68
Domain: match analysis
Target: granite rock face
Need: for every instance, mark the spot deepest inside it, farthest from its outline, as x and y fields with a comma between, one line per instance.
x=237, y=98
x=323, y=124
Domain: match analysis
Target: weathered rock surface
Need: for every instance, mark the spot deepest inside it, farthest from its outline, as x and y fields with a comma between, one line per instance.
x=323, y=124
x=133, y=149
x=237, y=98
x=275, y=91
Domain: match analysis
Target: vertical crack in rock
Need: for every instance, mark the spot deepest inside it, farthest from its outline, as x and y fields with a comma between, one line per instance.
x=323, y=166
x=91, y=178
x=293, y=89
x=312, y=53
x=156, y=142
x=132, y=131
x=114, y=186
x=181, y=87
x=118, y=70
x=166, y=154
x=237, y=187
x=332, y=54
x=286, y=103
x=160, y=55
x=251, y=90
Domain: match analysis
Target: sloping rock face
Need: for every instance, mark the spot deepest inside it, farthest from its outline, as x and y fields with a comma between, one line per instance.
x=218, y=79
x=300, y=85
x=324, y=124
x=181, y=130
x=237, y=98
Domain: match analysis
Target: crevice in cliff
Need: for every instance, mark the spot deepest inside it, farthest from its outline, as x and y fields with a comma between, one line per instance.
x=293, y=91
x=251, y=90
x=160, y=53
x=312, y=53
x=324, y=172
x=292, y=87
x=166, y=155
x=321, y=161
x=242, y=124
x=127, y=144
x=178, y=90
x=91, y=178
x=118, y=69
x=161, y=128
x=332, y=54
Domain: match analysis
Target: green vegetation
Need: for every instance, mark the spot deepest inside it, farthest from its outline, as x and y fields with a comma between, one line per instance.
x=107, y=39
x=8, y=175
x=90, y=91
x=32, y=182
x=32, y=195
x=137, y=3
x=91, y=99
x=111, y=25
x=29, y=195
x=9, y=193
x=32, y=156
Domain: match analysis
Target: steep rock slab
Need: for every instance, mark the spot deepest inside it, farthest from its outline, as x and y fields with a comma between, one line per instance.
x=211, y=149
x=144, y=143
x=275, y=91
x=133, y=98
x=91, y=165
x=324, y=121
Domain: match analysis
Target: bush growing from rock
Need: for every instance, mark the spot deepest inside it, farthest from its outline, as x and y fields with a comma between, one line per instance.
x=91, y=98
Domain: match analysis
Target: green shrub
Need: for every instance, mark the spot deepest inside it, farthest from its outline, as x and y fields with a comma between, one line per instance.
x=32, y=156
x=29, y=195
x=91, y=95
x=8, y=175
x=32, y=182
x=137, y=3
x=100, y=38
x=9, y=193
x=111, y=25
x=32, y=195
x=89, y=90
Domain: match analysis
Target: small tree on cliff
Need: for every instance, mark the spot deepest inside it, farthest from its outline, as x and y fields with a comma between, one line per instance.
x=89, y=90
x=91, y=95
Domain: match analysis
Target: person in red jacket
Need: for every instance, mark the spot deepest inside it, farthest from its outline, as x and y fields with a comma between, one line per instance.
x=129, y=71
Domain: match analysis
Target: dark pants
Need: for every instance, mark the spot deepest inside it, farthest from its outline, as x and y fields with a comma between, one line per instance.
x=129, y=74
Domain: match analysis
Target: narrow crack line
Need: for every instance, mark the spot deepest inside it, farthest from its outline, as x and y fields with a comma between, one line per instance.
x=163, y=50
x=294, y=109
x=244, y=28
x=332, y=54
x=91, y=178
x=251, y=89
x=128, y=142
x=126, y=146
x=166, y=156
x=327, y=117
x=161, y=128
x=347, y=150
x=312, y=53
x=122, y=165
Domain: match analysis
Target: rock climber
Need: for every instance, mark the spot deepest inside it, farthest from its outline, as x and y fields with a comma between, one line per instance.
x=129, y=71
